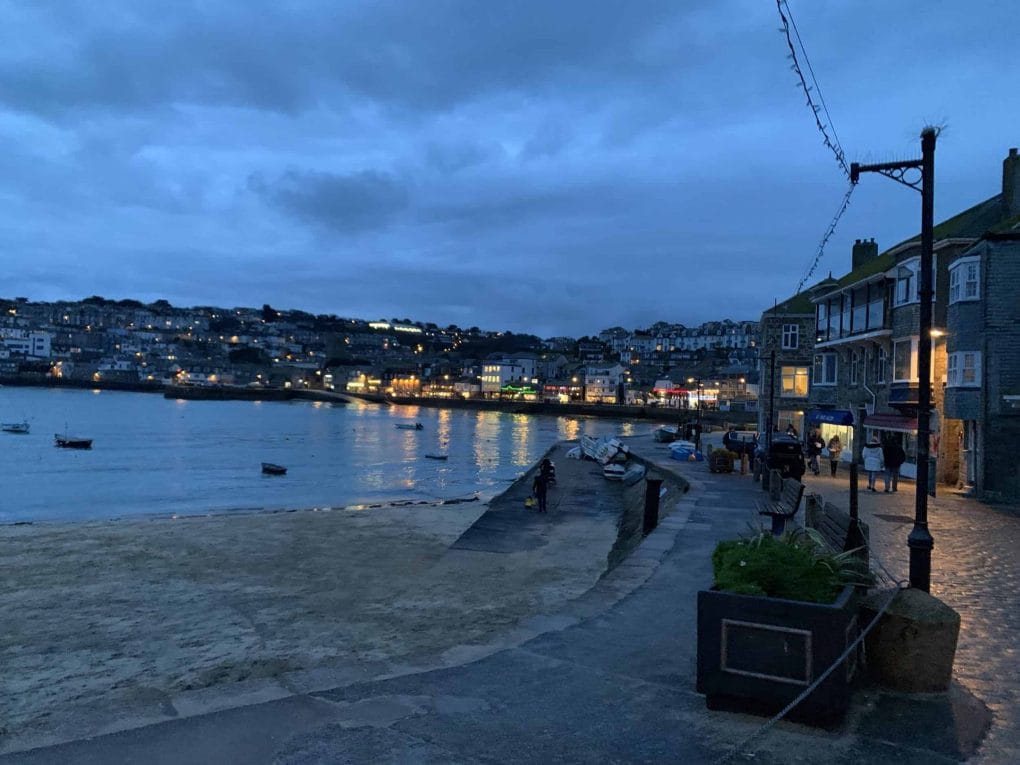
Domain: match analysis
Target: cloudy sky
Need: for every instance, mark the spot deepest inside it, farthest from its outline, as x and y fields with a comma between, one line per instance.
x=552, y=167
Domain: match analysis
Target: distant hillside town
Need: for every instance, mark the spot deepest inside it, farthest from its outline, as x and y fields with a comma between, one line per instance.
x=129, y=344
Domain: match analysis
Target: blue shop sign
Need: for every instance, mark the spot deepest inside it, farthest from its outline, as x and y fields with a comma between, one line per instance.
x=831, y=416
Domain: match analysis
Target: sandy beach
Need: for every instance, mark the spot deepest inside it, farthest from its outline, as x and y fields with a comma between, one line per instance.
x=113, y=624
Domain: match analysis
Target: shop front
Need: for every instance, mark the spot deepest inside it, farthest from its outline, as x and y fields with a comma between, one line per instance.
x=834, y=422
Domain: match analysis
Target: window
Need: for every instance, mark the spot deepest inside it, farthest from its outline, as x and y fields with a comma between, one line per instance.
x=791, y=336
x=795, y=382
x=855, y=360
x=844, y=328
x=825, y=369
x=881, y=363
x=963, y=369
x=822, y=322
x=905, y=360
x=906, y=282
x=963, y=280
x=860, y=309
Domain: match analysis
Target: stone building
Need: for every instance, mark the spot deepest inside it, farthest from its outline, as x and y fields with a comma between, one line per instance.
x=982, y=394
x=864, y=378
x=788, y=331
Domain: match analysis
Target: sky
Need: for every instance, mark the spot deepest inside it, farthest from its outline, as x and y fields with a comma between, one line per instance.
x=553, y=168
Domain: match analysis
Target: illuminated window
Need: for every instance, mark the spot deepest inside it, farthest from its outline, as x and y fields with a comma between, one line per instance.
x=794, y=382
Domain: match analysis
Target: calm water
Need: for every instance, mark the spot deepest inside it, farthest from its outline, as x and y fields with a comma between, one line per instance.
x=153, y=455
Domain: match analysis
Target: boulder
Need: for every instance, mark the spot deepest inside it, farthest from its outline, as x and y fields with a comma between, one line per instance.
x=912, y=647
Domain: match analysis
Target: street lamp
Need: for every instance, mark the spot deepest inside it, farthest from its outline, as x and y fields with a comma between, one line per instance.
x=920, y=540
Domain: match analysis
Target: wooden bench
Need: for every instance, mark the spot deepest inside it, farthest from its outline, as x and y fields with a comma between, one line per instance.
x=833, y=524
x=783, y=508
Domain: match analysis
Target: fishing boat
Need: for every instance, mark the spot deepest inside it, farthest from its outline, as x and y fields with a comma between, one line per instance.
x=14, y=427
x=409, y=426
x=270, y=469
x=72, y=442
x=436, y=456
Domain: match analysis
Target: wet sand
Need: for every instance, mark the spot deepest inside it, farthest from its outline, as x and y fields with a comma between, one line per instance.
x=109, y=625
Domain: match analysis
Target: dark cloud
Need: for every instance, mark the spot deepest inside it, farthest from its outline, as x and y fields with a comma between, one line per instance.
x=530, y=165
x=345, y=203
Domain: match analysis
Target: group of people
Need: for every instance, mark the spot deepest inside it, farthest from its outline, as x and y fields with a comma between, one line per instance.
x=885, y=456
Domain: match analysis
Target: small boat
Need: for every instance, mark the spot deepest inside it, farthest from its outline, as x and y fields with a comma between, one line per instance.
x=436, y=456
x=72, y=442
x=270, y=469
x=614, y=472
x=409, y=426
x=14, y=427
x=667, y=434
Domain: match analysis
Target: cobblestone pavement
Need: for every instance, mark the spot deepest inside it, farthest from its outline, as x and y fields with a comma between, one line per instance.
x=976, y=570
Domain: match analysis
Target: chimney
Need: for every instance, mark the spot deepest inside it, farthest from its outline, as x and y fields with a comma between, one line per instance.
x=1011, y=184
x=864, y=250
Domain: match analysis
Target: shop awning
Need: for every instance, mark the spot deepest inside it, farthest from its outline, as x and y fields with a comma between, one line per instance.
x=894, y=422
x=831, y=416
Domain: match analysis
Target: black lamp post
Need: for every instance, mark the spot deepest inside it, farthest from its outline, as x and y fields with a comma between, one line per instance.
x=920, y=540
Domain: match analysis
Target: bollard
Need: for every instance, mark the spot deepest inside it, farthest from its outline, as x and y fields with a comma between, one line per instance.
x=652, y=488
x=764, y=478
x=743, y=463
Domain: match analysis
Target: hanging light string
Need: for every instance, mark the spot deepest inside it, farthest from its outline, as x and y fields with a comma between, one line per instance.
x=816, y=108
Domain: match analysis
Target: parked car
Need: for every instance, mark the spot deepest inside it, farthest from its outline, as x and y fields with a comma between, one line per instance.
x=786, y=454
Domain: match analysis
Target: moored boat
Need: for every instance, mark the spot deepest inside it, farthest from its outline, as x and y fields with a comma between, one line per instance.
x=72, y=442
x=270, y=469
x=409, y=426
x=14, y=427
x=436, y=456
x=614, y=471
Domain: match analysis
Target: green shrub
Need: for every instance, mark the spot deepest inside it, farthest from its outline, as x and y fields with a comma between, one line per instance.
x=792, y=567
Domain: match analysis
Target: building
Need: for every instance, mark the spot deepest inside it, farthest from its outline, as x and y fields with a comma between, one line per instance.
x=605, y=384
x=863, y=346
x=501, y=373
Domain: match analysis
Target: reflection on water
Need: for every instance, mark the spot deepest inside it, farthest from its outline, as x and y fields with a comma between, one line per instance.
x=153, y=455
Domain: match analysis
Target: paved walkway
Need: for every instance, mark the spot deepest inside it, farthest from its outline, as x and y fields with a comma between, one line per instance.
x=609, y=678
x=975, y=569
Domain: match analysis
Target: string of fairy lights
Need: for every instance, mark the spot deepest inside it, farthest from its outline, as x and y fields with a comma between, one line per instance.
x=826, y=128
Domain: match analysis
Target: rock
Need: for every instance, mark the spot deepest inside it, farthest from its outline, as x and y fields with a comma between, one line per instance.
x=912, y=647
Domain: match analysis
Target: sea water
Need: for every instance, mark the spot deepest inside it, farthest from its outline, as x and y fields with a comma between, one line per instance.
x=152, y=455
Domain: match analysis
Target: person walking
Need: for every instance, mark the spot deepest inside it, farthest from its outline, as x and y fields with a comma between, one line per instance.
x=872, y=456
x=540, y=488
x=893, y=456
x=835, y=450
x=814, y=448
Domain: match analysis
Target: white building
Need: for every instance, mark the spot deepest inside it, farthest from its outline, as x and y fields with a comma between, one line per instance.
x=21, y=342
x=496, y=374
x=602, y=384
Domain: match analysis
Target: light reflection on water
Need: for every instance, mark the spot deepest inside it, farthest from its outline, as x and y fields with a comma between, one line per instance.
x=153, y=455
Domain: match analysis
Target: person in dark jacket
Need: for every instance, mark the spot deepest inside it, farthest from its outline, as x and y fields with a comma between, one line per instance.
x=893, y=456
x=814, y=448
x=540, y=488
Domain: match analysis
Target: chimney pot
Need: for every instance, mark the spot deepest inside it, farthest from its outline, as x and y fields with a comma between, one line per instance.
x=1011, y=184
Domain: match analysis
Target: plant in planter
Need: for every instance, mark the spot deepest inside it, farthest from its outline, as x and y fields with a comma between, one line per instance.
x=782, y=611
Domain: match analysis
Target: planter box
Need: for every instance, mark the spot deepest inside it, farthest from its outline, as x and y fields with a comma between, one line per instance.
x=720, y=464
x=757, y=654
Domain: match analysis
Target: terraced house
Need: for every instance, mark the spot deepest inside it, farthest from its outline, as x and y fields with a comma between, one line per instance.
x=861, y=340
